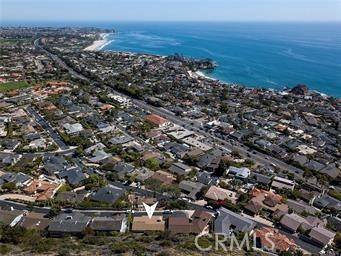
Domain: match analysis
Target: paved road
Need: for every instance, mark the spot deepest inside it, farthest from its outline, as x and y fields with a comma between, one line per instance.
x=46, y=126
x=59, y=61
x=17, y=197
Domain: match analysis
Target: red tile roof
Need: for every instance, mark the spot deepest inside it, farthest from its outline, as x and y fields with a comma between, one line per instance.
x=156, y=120
x=280, y=241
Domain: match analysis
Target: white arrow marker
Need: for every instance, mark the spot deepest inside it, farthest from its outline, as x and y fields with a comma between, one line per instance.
x=150, y=209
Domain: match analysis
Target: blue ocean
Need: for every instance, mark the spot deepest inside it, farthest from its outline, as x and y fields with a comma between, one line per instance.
x=269, y=55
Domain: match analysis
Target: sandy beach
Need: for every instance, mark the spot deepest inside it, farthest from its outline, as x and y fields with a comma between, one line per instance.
x=201, y=74
x=98, y=44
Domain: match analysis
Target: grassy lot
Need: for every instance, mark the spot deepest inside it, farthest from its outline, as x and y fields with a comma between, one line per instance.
x=13, y=86
x=9, y=41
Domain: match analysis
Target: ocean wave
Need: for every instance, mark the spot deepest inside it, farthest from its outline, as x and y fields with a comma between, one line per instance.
x=267, y=80
x=153, y=40
x=291, y=54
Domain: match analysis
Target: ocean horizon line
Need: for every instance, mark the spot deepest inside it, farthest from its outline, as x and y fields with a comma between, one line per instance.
x=29, y=22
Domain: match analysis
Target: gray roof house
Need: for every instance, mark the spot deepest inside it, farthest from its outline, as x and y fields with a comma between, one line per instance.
x=123, y=167
x=326, y=201
x=109, y=194
x=119, y=140
x=72, y=197
x=74, y=176
x=260, y=179
x=108, y=224
x=73, y=128
x=207, y=178
x=335, y=223
x=190, y=188
x=321, y=236
x=142, y=174
x=241, y=173
x=228, y=222
x=292, y=222
x=68, y=223
x=300, y=206
x=19, y=179
x=99, y=156
x=10, y=218
x=180, y=169
x=54, y=164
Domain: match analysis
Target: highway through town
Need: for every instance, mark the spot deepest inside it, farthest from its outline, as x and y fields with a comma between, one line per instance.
x=47, y=127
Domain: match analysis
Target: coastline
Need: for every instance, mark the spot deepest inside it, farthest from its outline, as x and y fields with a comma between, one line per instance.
x=203, y=75
x=99, y=44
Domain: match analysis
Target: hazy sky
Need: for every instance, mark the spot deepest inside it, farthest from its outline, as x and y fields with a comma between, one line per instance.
x=170, y=10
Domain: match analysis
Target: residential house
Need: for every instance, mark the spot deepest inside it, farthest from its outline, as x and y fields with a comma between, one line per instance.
x=260, y=179
x=109, y=194
x=165, y=177
x=120, y=139
x=10, y=218
x=33, y=220
x=73, y=176
x=137, y=201
x=11, y=159
x=71, y=197
x=157, y=121
x=292, y=222
x=42, y=190
x=190, y=188
x=193, y=222
x=19, y=179
x=282, y=183
x=68, y=224
x=72, y=129
x=122, y=169
x=144, y=223
x=206, y=178
x=142, y=174
x=332, y=171
x=108, y=224
x=229, y=222
x=197, y=144
x=301, y=207
x=240, y=173
x=327, y=202
x=219, y=194
x=335, y=223
x=9, y=145
x=280, y=242
x=308, y=196
x=180, y=169
x=93, y=148
x=99, y=156
x=253, y=207
x=176, y=149
x=54, y=164
x=267, y=200
x=321, y=236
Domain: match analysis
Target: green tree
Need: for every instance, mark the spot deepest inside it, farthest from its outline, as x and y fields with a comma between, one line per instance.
x=94, y=182
x=9, y=186
x=337, y=241
x=152, y=163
